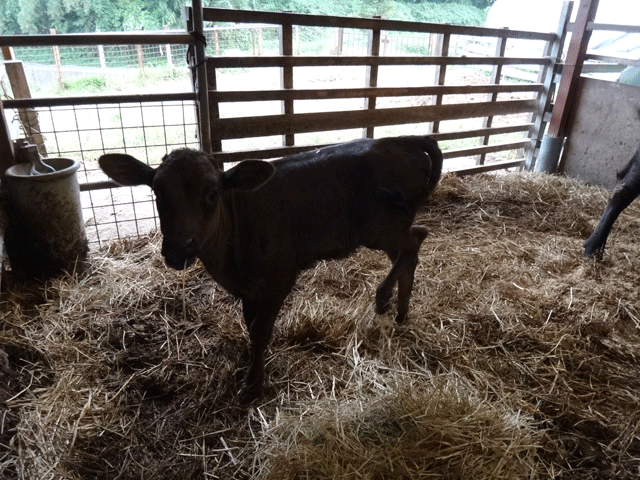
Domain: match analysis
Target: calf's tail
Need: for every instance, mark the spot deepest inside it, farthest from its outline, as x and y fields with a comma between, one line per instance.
x=430, y=147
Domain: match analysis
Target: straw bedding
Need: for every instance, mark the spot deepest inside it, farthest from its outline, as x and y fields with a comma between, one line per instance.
x=520, y=359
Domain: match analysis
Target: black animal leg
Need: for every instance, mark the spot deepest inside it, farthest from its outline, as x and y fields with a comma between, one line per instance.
x=402, y=271
x=260, y=332
x=406, y=275
x=385, y=289
x=623, y=194
x=249, y=312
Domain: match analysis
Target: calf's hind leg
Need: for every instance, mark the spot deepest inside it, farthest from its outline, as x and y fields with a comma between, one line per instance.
x=405, y=261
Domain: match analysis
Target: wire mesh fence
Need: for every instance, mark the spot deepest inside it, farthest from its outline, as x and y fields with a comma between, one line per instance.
x=145, y=130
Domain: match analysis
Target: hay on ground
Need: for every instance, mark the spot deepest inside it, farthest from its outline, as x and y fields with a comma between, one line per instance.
x=520, y=358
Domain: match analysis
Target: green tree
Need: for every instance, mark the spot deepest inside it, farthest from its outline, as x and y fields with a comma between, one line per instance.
x=109, y=15
x=9, y=16
x=69, y=16
x=33, y=17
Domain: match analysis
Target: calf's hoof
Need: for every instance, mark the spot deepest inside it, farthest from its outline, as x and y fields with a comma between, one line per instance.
x=249, y=393
x=383, y=298
x=382, y=304
x=401, y=318
x=591, y=250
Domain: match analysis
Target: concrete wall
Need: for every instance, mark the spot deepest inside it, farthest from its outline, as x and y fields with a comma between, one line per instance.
x=605, y=131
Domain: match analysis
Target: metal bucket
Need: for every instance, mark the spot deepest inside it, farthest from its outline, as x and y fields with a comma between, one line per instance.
x=45, y=234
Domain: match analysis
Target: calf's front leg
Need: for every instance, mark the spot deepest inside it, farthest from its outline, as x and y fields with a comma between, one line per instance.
x=260, y=317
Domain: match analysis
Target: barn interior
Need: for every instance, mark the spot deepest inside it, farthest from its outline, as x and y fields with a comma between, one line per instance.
x=520, y=355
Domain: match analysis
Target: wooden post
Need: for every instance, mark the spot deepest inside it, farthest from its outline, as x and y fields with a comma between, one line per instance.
x=340, y=41
x=57, y=60
x=168, y=48
x=101, y=58
x=572, y=68
x=28, y=116
x=200, y=78
x=286, y=76
x=254, y=41
x=7, y=53
x=442, y=50
x=371, y=77
x=7, y=159
x=296, y=31
x=103, y=61
x=140, y=55
x=553, y=50
x=7, y=156
x=501, y=47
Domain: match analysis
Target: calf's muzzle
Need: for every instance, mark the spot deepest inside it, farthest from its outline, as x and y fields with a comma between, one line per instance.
x=180, y=252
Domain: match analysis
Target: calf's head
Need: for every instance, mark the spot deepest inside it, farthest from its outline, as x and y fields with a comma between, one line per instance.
x=188, y=188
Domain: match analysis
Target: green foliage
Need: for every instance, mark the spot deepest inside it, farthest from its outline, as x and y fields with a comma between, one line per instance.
x=33, y=16
x=67, y=16
x=9, y=10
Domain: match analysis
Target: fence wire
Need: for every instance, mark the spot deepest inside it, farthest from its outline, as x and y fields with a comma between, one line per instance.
x=146, y=131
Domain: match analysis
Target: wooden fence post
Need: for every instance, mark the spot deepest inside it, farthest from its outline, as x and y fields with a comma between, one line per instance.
x=442, y=50
x=371, y=77
x=202, y=80
x=57, y=60
x=168, y=48
x=553, y=50
x=501, y=47
x=140, y=55
x=28, y=116
x=101, y=57
x=340, y=41
x=286, y=75
x=7, y=157
x=7, y=53
x=549, y=159
x=572, y=68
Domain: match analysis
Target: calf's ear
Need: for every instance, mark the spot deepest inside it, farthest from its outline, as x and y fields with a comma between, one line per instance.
x=126, y=170
x=248, y=175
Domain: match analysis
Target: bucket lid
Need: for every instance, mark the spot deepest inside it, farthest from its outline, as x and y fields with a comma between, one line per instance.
x=63, y=167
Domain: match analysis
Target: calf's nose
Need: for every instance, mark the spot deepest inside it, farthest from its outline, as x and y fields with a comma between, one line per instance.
x=180, y=252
